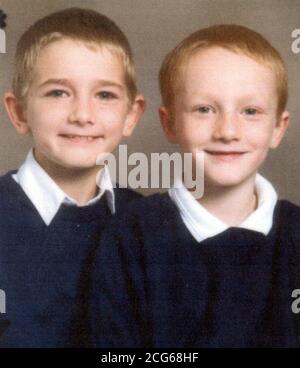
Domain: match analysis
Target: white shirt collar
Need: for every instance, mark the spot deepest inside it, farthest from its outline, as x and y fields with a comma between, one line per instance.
x=47, y=196
x=202, y=224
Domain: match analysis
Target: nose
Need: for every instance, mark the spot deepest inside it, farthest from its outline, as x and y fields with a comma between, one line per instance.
x=82, y=111
x=227, y=127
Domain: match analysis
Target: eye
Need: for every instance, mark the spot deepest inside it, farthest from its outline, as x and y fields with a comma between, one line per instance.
x=56, y=93
x=106, y=95
x=205, y=109
x=251, y=111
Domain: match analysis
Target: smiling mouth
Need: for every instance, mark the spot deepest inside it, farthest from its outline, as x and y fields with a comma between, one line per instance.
x=80, y=138
x=226, y=155
x=225, y=152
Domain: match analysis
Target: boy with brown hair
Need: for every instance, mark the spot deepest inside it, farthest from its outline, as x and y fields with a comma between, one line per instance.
x=215, y=271
x=74, y=91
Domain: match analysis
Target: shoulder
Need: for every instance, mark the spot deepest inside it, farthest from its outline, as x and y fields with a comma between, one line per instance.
x=151, y=212
x=11, y=208
x=8, y=186
x=145, y=224
x=289, y=236
x=6, y=179
x=288, y=211
x=12, y=197
x=156, y=202
x=125, y=195
x=288, y=218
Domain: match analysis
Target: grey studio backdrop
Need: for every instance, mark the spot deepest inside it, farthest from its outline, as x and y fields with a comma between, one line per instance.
x=153, y=27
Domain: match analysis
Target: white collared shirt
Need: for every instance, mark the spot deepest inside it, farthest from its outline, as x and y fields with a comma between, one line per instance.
x=202, y=224
x=47, y=196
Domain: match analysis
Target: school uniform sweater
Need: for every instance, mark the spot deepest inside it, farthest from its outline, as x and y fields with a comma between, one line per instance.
x=44, y=269
x=154, y=285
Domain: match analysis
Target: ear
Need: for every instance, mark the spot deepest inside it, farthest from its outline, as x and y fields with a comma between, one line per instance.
x=16, y=113
x=136, y=111
x=280, y=129
x=168, y=124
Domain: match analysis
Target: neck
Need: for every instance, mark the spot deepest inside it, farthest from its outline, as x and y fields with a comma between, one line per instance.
x=231, y=205
x=77, y=184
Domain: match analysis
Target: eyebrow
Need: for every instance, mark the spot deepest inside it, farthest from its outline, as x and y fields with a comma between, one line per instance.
x=242, y=98
x=66, y=82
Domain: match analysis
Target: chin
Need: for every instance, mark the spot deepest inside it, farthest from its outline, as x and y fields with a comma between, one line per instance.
x=79, y=166
x=224, y=181
x=79, y=161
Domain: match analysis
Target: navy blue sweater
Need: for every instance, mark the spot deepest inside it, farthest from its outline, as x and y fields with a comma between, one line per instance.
x=44, y=269
x=154, y=285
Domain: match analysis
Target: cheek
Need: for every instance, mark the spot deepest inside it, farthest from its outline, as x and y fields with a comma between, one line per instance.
x=193, y=136
x=260, y=139
x=111, y=117
x=113, y=129
x=43, y=117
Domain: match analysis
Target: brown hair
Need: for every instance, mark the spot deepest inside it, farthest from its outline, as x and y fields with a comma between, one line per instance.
x=232, y=37
x=84, y=25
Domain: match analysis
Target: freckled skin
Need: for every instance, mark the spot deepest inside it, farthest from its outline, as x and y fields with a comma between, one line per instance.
x=226, y=106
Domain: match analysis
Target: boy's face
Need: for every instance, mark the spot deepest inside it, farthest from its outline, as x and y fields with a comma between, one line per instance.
x=225, y=106
x=77, y=105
